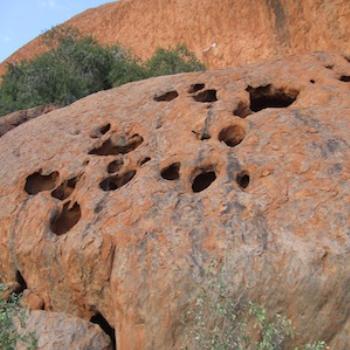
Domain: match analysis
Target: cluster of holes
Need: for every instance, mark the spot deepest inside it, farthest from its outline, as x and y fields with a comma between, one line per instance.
x=64, y=220
x=105, y=326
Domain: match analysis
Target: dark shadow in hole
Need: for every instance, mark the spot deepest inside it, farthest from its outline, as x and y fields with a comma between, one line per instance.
x=98, y=132
x=122, y=146
x=64, y=220
x=232, y=135
x=196, y=87
x=37, y=182
x=144, y=161
x=65, y=189
x=168, y=96
x=171, y=172
x=243, y=179
x=206, y=96
x=312, y=81
x=114, y=182
x=105, y=326
x=203, y=180
x=345, y=78
x=269, y=97
x=329, y=66
x=242, y=110
x=22, y=284
x=115, y=166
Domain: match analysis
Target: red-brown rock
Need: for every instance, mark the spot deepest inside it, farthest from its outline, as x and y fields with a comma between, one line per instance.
x=114, y=205
x=222, y=33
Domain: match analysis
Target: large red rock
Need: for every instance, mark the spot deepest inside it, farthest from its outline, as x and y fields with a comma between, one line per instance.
x=114, y=206
x=222, y=33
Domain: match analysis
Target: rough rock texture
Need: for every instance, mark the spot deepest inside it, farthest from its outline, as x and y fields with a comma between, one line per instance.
x=12, y=120
x=222, y=33
x=57, y=331
x=111, y=207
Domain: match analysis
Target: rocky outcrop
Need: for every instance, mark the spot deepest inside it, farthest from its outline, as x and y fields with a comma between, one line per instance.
x=111, y=208
x=57, y=331
x=14, y=119
x=222, y=33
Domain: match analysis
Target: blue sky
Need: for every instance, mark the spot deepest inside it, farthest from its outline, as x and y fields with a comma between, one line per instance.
x=23, y=20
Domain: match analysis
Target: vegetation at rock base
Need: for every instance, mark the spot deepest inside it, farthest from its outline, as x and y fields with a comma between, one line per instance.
x=10, y=310
x=218, y=321
x=76, y=66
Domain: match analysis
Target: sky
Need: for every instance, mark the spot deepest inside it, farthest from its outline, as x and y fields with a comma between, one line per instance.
x=23, y=20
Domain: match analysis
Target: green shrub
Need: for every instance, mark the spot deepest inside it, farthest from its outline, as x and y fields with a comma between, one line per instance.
x=218, y=321
x=9, y=337
x=172, y=61
x=77, y=66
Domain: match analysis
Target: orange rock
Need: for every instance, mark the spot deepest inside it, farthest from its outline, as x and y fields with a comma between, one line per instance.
x=222, y=33
x=111, y=208
x=31, y=301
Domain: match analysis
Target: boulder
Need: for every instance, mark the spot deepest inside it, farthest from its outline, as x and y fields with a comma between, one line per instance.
x=221, y=33
x=112, y=208
x=57, y=331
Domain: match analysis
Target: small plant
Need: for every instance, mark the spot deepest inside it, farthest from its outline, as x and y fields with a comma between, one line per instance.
x=10, y=311
x=218, y=321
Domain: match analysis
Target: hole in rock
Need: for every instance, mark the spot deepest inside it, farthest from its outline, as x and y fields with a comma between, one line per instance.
x=196, y=87
x=206, y=96
x=21, y=282
x=243, y=179
x=242, y=110
x=329, y=66
x=66, y=218
x=345, y=78
x=203, y=180
x=114, y=182
x=105, y=326
x=312, y=81
x=65, y=189
x=269, y=97
x=168, y=96
x=232, y=135
x=100, y=131
x=115, y=166
x=37, y=182
x=144, y=161
x=122, y=145
x=171, y=172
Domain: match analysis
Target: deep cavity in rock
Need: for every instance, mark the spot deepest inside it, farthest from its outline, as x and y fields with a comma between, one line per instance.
x=37, y=182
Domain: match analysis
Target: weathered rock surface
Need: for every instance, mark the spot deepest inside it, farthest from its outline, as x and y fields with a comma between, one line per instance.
x=112, y=207
x=57, y=331
x=14, y=119
x=222, y=33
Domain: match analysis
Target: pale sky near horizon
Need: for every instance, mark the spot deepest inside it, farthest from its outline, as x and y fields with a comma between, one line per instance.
x=23, y=20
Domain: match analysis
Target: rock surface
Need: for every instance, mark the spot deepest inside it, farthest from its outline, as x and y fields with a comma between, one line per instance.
x=14, y=119
x=112, y=207
x=57, y=331
x=222, y=33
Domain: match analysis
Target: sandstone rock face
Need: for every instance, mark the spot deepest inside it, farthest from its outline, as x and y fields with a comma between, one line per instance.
x=112, y=207
x=222, y=33
x=12, y=120
x=57, y=331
